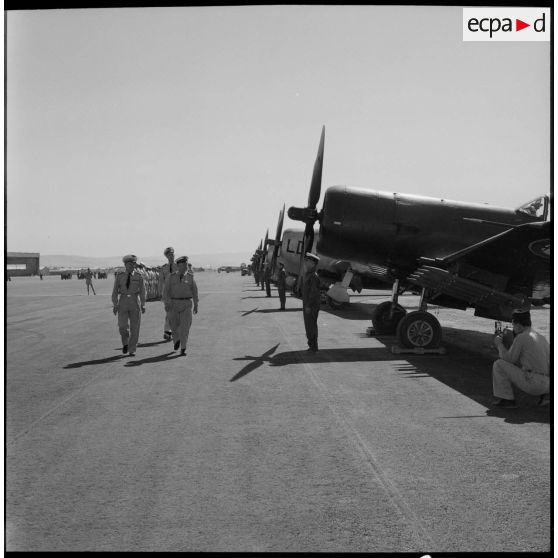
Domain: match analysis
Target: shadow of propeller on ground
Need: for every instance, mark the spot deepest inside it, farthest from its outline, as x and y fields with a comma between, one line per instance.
x=463, y=369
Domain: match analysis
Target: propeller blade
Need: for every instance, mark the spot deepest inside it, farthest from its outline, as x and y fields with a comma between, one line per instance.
x=277, y=242
x=316, y=184
x=280, y=225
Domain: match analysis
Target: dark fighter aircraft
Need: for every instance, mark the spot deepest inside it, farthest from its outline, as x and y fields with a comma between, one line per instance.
x=454, y=254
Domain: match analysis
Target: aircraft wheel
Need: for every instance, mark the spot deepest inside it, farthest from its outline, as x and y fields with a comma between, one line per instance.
x=419, y=330
x=380, y=318
x=336, y=305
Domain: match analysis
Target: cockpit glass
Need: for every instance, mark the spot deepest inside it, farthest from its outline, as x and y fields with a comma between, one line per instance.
x=534, y=208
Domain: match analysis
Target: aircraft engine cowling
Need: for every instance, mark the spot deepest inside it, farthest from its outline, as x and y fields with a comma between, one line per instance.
x=349, y=221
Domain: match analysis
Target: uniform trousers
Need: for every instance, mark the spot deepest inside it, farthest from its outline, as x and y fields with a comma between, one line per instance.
x=505, y=375
x=167, y=322
x=311, y=325
x=129, y=312
x=282, y=297
x=180, y=319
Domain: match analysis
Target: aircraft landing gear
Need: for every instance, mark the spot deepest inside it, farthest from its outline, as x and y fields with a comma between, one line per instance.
x=388, y=314
x=383, y=323
x=419, y=330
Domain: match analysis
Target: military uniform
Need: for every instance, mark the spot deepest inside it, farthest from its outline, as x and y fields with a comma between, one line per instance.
x=180, y=295
x=282, y=286
x=267, y=279
x=164, y=273
x=88, y=281
x=526, y=364
x=127, y=288
x=311, y=304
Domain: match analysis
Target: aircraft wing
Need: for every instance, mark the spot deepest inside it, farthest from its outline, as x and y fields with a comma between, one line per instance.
x=502, y=271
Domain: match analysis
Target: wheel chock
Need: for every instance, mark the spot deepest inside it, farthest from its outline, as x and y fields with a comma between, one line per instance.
x=417, y=351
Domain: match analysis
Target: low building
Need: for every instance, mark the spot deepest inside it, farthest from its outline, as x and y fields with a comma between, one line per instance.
x=19, y=264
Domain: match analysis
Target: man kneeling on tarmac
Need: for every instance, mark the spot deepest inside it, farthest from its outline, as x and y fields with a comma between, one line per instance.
x=526, y=364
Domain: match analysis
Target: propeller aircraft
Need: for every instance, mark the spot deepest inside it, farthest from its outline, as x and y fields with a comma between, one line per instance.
x=453, y=254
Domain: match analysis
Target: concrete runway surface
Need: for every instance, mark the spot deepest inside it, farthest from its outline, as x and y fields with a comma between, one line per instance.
x=248, y=444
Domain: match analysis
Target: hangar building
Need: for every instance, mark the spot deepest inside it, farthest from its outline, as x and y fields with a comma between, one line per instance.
x=22, y=263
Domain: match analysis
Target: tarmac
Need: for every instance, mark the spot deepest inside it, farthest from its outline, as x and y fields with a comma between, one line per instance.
x=250, y=444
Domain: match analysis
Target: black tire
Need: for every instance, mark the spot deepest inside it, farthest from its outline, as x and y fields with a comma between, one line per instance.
x=383, y=325
x=419, y=330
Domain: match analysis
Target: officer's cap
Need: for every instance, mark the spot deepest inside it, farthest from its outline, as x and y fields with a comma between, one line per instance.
x=169, y=250
x=182, y=259
x=522, y=317
x=311, y=257
x=130, y=258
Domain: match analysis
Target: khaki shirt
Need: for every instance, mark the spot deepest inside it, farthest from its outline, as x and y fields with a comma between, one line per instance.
x=137, y=286
x=180, y=286
x=530, y=351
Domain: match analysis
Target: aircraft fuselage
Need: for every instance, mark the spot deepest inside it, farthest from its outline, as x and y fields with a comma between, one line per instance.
x=375, y=227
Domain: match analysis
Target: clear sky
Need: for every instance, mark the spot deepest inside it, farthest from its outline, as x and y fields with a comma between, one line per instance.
x=132, y=129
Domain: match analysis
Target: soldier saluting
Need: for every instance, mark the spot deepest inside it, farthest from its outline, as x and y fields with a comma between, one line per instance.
x=179, y=295
x=129, y=285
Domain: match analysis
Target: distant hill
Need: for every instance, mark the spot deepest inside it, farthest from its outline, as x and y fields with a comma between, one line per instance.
x=197, y=260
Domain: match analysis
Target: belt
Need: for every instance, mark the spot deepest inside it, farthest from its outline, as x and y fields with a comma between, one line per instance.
x=184, y=298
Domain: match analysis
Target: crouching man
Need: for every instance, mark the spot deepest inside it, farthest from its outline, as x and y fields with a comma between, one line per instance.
x=526, y=364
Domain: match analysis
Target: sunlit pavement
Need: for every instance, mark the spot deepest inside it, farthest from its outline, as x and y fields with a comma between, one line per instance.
x=250, y=444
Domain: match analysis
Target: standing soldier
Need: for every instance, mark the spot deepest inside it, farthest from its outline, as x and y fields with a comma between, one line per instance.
x=311, y=300
x=282, y=284
x=166, y=270
x=88, y=282
x=267, y=278
x=179, y=292
x=129, y=285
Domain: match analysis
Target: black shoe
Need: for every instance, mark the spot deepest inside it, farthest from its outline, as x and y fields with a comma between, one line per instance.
x=177, y=345
x=167, y=336
x=132, y=354
x=125, y=349
x=505, y=404
x=182, y=352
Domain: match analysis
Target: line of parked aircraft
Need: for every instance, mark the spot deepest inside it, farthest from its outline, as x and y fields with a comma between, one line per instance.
x=453, y=254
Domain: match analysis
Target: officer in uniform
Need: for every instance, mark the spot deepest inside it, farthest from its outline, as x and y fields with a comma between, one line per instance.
x=311, y=300
x=282, y=284
x=267, y=278
x=129, y=285
x=179, y=294
x=88, y=281
x=166, y=270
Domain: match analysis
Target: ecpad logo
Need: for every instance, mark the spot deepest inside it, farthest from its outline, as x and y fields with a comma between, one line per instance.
x=506, y=24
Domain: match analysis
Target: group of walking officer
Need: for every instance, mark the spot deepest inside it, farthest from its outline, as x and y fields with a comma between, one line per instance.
x=179, y=294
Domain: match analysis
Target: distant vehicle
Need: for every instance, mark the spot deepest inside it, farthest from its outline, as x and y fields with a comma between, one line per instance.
x=244, y=269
